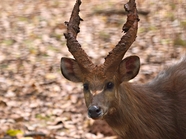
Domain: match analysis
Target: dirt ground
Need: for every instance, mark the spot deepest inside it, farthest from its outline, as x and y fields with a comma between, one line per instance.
x=36, y=101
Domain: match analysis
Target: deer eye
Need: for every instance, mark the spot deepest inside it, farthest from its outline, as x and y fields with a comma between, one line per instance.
x=86, y=86
x=109, y=85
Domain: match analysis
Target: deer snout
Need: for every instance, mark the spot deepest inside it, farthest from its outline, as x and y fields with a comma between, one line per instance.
x=95, y=112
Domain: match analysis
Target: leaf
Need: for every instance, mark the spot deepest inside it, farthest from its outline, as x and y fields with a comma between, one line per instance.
x=14, y=132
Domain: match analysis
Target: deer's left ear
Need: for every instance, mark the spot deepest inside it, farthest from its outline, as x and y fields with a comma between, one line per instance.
x=71, y=70
x=129, y=68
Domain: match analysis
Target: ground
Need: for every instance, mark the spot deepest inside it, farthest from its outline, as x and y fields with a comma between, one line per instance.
x=36, y=101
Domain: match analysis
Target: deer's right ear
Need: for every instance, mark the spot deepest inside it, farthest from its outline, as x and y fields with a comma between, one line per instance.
x=70, y=69
x=129, y=68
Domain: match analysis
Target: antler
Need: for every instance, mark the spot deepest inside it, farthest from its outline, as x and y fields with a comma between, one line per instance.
x=114, y=57
x=73, y=45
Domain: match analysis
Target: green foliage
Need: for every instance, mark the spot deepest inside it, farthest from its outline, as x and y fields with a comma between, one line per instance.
x=8, y=42
x=104, y=36
x=183, y=24
x=14, y=132
x=43, y=117
x=179, y=42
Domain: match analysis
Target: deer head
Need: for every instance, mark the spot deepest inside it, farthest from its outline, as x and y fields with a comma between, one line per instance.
x=100, y=82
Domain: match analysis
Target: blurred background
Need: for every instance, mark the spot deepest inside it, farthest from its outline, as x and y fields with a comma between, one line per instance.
x=36, y=101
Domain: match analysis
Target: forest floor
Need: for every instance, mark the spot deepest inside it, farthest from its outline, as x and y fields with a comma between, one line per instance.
x=36, y=101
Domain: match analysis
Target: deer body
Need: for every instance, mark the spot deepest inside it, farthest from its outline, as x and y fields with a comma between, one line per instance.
x=156, y=110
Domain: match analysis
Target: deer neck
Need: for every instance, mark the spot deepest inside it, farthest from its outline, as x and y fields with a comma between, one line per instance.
x=137, y=106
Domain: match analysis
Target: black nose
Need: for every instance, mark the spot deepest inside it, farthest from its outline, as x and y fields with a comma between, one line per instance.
x=94, y=112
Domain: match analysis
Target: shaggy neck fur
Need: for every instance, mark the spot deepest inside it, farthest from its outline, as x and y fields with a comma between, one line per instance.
x=143, y=114
x=156, y=110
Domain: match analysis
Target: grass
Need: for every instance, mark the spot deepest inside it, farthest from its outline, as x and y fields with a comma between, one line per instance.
x=178, y=41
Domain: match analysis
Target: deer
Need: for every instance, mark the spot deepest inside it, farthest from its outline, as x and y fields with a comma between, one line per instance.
x=154, y=110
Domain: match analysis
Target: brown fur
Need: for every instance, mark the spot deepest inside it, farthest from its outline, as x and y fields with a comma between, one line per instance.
x=156, y=110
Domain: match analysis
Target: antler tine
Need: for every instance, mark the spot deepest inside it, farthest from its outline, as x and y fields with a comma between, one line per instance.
x=114, y=57
x=73, y=45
